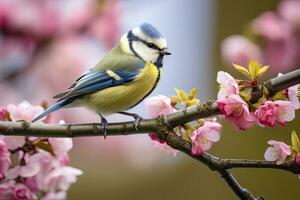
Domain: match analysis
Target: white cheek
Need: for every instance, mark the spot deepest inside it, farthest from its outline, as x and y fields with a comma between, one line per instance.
x=147, y=54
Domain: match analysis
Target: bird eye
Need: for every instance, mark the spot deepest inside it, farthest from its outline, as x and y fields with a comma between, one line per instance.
x=151, y=45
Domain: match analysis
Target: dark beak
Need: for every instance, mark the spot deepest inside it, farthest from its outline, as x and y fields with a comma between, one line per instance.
x=165, y=52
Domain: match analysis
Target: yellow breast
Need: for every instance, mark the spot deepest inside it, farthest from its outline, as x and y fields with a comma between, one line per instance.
x=123, y=97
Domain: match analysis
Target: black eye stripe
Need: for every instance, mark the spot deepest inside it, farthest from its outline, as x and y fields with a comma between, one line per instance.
x=132, y=37
x=151, y=45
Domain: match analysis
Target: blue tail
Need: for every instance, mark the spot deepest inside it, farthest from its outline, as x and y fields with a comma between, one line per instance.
x=56, y=106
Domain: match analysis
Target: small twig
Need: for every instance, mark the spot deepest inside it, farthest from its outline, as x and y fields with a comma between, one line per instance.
x=289, y=165
x=241, y=192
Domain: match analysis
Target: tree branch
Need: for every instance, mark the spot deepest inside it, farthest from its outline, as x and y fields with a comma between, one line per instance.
x=289, y=165
x=241, y=192
x=163, y=127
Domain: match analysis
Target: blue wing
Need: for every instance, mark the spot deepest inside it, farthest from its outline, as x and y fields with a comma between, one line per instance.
x=94, y=80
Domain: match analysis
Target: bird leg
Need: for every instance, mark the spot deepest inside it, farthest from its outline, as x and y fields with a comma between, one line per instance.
x=103, y=125
x=137, y=118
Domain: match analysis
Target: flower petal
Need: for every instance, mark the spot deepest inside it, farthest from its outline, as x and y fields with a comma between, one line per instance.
x=271, y=154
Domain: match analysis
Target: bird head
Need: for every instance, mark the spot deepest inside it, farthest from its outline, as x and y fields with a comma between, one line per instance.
x=145, y=42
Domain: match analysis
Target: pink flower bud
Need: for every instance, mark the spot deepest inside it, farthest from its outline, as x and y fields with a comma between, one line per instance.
x=3, y=114
x=155, y=138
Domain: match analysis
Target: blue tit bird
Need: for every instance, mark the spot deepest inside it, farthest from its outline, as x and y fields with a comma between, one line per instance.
x=122, y=79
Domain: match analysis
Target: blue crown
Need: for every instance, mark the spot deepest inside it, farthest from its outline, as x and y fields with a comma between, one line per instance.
x=150, y=31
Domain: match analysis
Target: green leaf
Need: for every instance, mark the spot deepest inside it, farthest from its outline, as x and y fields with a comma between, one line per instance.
x=279, y=96
x=175, y=99
x=44, y=146
x=295, y=141
x=193, y=93
x=183, y=133
x=182, y=95
x=246, y=95
x=242, y=70
x=262, y=70
x=253, y=69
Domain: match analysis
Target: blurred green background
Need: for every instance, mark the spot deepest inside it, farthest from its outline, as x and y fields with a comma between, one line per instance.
x=186, y=178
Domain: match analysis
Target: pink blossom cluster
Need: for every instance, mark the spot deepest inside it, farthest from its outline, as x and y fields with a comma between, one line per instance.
x=269, y=113
x=202, y=138
x=31, y=167
x=278, y=48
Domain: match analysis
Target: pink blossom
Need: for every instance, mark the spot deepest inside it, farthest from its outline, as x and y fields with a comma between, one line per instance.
x=64, y=158
x=155, y=106
x=271, y=113
x=237, y=111
x=73, y=48
x=61, y=145
x=155, y=138
x=6, y=190
x=25, y=17
x=31, y=168
x=293, y=94
x=44, y=172
x=158, y=105
x=24, y=111
x=3, y=114
x=21, y=192
x=228, y=85
x=55, y=196
x=106, y=27
x=239, y=49
x=281, y=48
x=74, y=15
x=164, y=147
x=31, y=184
x=278, y=152
x=13, y=142
x=282, y=54
x=203, y=137
x=289, y=10
x=5, y=161
x=61, y=178
x=297, y=159
x=270, y=26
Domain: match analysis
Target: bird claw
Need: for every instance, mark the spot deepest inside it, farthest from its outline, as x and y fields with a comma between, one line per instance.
x=137, y=121
x=104, y=127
